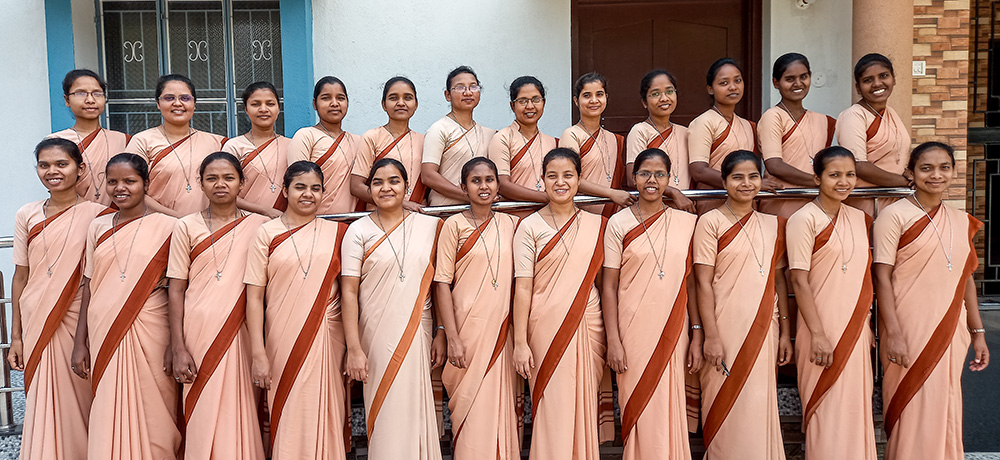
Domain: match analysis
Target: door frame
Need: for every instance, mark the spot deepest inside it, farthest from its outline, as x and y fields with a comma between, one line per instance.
x=753, y=34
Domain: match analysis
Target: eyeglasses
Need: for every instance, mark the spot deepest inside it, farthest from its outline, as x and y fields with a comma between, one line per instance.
x=463, y=88
x=523, y=101
x=657, y=94
x=644, y=175
x=84, y=94
x=170, y=98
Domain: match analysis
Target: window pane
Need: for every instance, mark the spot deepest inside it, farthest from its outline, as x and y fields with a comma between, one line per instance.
x=132, y=63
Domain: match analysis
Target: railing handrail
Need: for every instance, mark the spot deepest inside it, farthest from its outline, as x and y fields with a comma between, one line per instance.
x=876, y=192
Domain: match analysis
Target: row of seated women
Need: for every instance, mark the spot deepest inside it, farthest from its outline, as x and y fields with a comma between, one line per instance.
x=141, y=335
x=690, y=313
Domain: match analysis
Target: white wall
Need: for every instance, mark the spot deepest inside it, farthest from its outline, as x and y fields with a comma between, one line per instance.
x=26, y=118
x=823, y=33
x=367, y=42
x=85, y=47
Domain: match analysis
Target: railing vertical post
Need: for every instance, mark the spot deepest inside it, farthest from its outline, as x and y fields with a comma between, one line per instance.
x=6, y=403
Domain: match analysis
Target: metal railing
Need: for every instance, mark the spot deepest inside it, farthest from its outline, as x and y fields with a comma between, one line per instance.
x=7, y=425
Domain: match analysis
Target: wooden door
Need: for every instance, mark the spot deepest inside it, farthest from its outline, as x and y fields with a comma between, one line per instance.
x=625, y=39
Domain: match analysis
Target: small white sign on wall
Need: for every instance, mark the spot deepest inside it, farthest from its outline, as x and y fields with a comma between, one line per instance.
x=919, y=68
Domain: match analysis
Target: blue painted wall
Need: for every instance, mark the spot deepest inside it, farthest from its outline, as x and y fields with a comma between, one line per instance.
x=297, y=63
x=59, y=47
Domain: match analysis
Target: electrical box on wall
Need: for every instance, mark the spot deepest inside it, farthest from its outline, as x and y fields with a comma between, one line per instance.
x=919, y=68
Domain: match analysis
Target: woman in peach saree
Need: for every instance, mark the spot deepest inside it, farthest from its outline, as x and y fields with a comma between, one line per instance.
x=208, y=351
x=262, y=152
x=388, y=322
x=123, y=332
x=658, y=93
x=928, y=311
x=602, y=153
x=739, y=256
x=830, y=266
x=297, y=342
x=559, y=342
x=454, y=140
x=790, y=136
x=873, y=131
x=394, y=140
x=328, y=145
x=647, y=265
x=518, y=149
x=473, y=280
x=719, y=130
x=86, y=95
x=174, y=150
x=49, y=241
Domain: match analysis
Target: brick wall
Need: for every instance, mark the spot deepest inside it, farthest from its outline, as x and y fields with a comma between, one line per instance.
x=980, y=31
x=941, y=98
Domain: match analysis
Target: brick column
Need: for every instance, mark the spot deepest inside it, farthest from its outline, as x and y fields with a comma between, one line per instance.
x=886, y=27
x=940, y=99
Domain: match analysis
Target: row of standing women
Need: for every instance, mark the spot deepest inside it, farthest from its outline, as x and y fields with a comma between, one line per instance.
x=383, y=282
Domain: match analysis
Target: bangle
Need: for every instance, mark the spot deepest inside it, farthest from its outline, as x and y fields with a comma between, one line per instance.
x=977, y=331
x=695, y=327
x=440, y=327
x=783, y=318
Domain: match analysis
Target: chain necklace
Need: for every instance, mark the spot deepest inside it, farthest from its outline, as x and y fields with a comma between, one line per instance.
x=211, y=236
x=187, y=174
x=718, y=111
x=759, y=260
x=305, y=270
x=114, y=244
x=409, y=163
x=879, y=115
x=951, y=230
x=845, y=258
x=662, y=257
x=781, y=105
x=561, y=235
x=465, y=133
x=45, y=244
x=277, y=157
x=334, y=139
x=399, y=261
x=531, y=157
x=600, y=147
x=663, y=145
x=489, y=260
x=107, y=154
x=872, y=109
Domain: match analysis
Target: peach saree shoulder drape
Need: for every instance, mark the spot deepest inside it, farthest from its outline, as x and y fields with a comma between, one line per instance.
x=264, y=167
x=173, y=167
x=135, y=409
x=795, y=142
x=299, y=268
x=651, y=392
x=220, y=407
x=923, y=403
x=520, y=157
x=602, y=157
x=396, y=324
x=837, y=401
x=482, y=396
x=408, y=147
x=57, y=402
x=881, y=140
x=335, y=156
x=449, y=146
x=673, y=141
x=565, y=332
x=97, y=148
x=740, y=412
